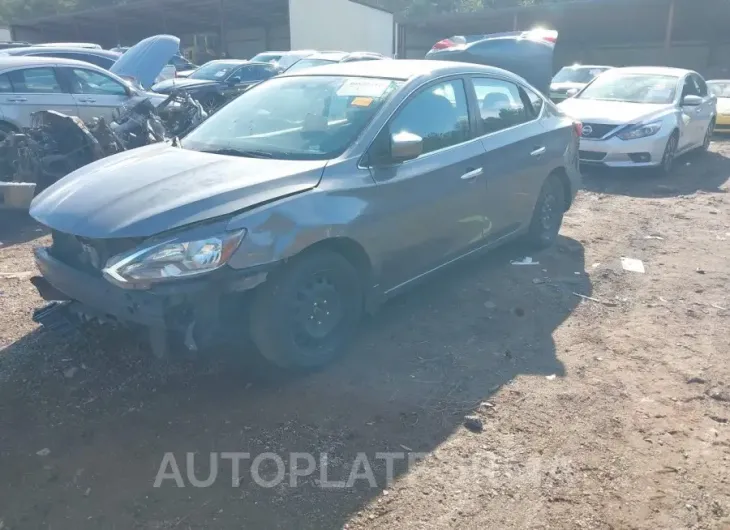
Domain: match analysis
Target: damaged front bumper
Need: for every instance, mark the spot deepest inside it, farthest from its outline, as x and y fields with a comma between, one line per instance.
x=190, y=309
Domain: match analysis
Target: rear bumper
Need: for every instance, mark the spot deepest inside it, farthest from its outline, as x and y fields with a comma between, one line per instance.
x=722, y=123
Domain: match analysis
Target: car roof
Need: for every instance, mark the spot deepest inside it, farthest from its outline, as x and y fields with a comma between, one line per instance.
x=402, y=69
x=330, y=56
x=62, y=49
x=655, y=70
x=718, y=81
x=589, y=66
x=10, y=61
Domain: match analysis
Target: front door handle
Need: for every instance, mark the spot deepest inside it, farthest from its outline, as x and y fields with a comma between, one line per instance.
x=472, y=174
x=17, y=100
x=538, y=151
x=87, y=100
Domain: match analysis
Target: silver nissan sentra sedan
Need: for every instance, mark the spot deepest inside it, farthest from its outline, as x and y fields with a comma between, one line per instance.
x=643, y=117
x=309, y=199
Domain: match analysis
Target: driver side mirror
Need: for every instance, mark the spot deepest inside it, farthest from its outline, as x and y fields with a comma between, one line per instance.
x=234, y=80
x=405, y=146
x=691, y=101
x=572, y=92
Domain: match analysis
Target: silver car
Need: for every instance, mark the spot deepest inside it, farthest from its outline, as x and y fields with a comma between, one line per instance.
x=343, y=186
x=643, y=117
x=30, y=84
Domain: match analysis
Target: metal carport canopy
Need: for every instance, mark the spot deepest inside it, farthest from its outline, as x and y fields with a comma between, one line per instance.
x=130, y=22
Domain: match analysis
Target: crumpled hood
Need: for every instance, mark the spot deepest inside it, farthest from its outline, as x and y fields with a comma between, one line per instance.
x=187, y=83
x=611, y=112
x=153, y=189
x=145, y=60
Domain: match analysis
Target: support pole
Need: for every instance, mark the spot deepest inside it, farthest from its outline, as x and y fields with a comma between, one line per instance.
x=515, y=22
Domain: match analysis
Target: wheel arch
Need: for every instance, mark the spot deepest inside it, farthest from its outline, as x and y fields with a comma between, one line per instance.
x=349, y=249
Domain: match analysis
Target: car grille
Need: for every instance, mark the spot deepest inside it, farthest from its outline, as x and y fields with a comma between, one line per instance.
x=88, y=255
x=592, y=156
x=597, y=130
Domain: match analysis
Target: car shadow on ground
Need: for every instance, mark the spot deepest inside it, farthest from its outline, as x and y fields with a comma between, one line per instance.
x=17, y=227
x=693, y=172
x=108, y=414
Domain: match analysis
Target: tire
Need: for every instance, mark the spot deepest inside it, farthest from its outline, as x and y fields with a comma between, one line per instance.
x=547, y=217
x=669, y=156
x=290, y=319
x=5, y=130
x=708, y=136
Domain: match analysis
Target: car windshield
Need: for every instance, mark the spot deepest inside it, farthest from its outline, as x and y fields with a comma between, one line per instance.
x=266, y=58
x=214, y=71
x=309, y=63
x=632, y=88
x=572, y=74
x=294, y=118
x=721, y=89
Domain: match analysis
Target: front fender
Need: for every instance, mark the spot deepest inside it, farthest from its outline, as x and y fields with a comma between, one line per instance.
x=284, y=228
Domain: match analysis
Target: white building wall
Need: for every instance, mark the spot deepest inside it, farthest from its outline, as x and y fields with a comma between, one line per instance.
x=339, y=25
x=5, y=34
x=244, y=43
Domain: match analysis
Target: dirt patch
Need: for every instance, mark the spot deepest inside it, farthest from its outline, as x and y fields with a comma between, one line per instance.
x=569, y=394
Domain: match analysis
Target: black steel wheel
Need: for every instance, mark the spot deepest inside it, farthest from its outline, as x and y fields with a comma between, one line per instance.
x=547, y=218
x=304, y=315
x=708, y=136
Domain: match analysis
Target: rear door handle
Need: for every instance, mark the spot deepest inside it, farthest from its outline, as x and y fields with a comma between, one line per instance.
x=472, y=174
x=539, y=151
x=17, y=100
x=87, y=100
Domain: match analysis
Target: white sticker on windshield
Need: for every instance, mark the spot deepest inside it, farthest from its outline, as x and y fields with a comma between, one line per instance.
x=221, y=73
x=368, y=88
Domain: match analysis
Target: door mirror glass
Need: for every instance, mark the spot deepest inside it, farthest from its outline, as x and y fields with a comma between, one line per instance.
x=572, y=92
x=405, y=146
x=234, y=80
x=691, y=101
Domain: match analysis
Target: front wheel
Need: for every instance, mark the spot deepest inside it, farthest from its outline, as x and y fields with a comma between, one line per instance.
x=547, y=217
x=305, y=314
x=669, y=156
x=708, y=136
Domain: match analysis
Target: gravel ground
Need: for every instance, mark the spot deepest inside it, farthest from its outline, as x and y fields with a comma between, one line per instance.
x=519, y=403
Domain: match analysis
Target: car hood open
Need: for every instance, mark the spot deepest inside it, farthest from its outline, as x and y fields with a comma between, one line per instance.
x=610, y=112
x=145, y=60
x=153, y=189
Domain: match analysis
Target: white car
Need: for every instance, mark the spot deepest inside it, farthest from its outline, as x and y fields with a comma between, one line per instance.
x=643, y=117
x=571, y=79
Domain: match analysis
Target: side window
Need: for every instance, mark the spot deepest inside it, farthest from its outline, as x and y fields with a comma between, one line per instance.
x=701, y=85
x=690, y=87
x=90, y=82
x=5, y=85
x=96, y=60
x=438, y=114
x=35, y=81
x=500, y=104
x=535, y=101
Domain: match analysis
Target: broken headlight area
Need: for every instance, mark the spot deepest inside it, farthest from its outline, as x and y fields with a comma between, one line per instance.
x=184, y=256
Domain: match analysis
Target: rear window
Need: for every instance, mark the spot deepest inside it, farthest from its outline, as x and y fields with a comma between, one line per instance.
x=35, y=81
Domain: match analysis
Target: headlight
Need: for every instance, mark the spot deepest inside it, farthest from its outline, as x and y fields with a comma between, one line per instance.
x=178, y=257
x=641, y=131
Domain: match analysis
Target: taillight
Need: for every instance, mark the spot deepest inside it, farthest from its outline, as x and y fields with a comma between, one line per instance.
x=546, y=35
x=578, y=127
x=443, y=44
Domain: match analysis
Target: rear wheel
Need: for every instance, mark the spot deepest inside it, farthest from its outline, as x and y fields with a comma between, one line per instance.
x=304, y=315
x=547, y=217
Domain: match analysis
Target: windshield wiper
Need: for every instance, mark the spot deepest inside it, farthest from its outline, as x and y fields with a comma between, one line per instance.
x=229, y=151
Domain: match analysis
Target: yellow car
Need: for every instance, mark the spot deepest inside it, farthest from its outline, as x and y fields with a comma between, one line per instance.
x=721, y=89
